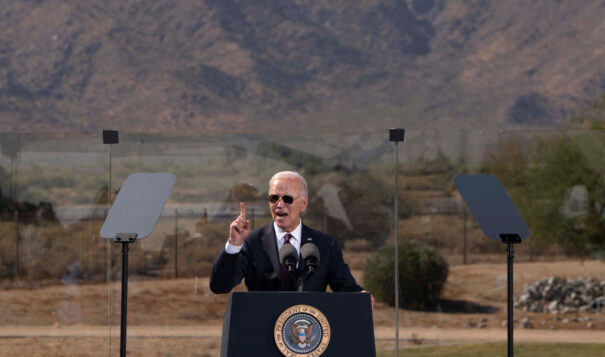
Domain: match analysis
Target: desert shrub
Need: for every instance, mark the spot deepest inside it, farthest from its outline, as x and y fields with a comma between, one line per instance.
x=540, y=177
x=359, y=245
x=196, y=253
x=422, y=274
x=366, y=200
x=53, y=252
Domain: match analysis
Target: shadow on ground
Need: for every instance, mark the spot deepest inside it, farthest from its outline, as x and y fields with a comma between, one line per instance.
x=463, y=307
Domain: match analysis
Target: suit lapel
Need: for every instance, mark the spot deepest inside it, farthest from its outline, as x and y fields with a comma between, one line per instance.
x=270, y=247
x=306, y=237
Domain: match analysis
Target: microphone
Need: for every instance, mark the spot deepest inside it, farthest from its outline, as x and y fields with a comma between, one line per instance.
x=289, y=257
x=310, y=257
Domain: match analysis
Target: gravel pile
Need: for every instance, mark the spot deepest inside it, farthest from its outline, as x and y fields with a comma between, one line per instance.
x=559, y=295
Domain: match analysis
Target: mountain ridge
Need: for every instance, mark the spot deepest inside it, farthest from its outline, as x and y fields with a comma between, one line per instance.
x=229, y=65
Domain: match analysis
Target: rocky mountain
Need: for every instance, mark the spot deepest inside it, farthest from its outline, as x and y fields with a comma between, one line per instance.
x=235, y=65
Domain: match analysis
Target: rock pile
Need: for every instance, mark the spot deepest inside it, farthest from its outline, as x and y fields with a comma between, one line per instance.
x=560, y=295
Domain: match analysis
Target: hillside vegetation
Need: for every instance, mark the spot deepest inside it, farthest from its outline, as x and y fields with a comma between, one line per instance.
x=236, y=66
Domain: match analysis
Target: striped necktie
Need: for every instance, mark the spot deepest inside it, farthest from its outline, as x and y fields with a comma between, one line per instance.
x=288, y=280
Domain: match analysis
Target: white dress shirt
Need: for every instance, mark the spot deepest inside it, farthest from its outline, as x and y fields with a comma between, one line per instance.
x=294, y=240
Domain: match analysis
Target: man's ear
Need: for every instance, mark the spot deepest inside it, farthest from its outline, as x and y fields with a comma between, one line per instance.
x=304, y=203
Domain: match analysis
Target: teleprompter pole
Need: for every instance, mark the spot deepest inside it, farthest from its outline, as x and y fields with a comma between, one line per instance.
x=510, y=240
x=124, y=299
x=133, y=216
x=499, y=219
x=125, y=239
x=396, y=135
x=510, y=250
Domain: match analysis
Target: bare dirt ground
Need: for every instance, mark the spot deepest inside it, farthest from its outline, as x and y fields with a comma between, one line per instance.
x=182, y=317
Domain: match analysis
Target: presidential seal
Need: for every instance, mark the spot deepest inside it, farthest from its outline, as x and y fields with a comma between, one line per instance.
x=302, y=331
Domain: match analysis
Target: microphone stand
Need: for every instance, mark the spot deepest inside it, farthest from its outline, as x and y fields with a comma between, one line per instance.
x=290, y=264
x=309, y=269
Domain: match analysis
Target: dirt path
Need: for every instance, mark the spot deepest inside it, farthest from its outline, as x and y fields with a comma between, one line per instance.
x=422, y=335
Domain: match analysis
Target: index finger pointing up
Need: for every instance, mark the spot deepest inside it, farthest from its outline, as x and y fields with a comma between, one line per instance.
x=242, y=211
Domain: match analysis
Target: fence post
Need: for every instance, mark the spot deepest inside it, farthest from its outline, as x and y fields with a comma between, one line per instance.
x=176, y=243
x=464, y=218
x=17, y=263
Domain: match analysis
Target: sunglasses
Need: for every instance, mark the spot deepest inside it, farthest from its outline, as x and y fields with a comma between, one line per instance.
x=286, y=198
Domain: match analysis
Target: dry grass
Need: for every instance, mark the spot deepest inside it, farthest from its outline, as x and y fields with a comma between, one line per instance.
x=165, y=303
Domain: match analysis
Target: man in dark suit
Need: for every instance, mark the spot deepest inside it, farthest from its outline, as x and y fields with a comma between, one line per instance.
x=254, y=257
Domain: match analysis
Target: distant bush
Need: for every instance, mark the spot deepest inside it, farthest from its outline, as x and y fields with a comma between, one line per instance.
x=196, y=254
x=359, y=245
x=366, y=200
x=52, y=252
x=307, y=164
x=422, y=274
x=540, y=177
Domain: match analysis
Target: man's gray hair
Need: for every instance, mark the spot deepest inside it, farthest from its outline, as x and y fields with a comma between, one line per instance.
x=292, y=174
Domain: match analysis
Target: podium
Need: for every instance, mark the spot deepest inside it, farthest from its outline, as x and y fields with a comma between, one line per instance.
x=284, y=323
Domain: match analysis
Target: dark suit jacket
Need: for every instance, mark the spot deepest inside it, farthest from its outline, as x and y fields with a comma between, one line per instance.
x=258, y=263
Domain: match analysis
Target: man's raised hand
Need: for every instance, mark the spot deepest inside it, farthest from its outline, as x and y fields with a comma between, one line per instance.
x=240, y=227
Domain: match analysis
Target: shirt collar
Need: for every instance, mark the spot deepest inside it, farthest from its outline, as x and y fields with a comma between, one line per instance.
x=296, y=233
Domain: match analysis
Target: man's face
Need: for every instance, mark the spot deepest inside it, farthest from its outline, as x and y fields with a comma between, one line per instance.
x=286, y=216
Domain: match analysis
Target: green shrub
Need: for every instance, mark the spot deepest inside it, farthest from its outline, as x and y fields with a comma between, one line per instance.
x=422, y=274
